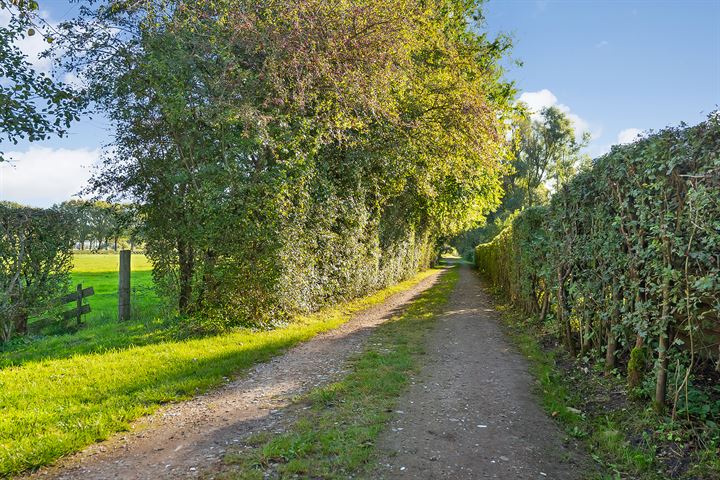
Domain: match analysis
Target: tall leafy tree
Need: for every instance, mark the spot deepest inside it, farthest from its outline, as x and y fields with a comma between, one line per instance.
x=286, y=154
x=548, y=149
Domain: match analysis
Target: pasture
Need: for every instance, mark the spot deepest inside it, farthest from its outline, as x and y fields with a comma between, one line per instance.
x=101, y=331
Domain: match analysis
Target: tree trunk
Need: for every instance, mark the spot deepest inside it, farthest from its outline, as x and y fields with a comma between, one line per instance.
x=545, y=304
x=563, y=318
x=611, y=338
x=610, y=352
x=636, y=366
x=534, y=303
x=585, y=347
x=21, y=323
x=185, y=260
x=661, y=378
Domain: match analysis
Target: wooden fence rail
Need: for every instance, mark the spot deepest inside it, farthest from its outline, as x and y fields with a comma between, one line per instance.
x=77, y=297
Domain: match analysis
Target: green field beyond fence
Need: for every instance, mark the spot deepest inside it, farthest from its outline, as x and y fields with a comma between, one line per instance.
x=101, y=273
x=101, y=330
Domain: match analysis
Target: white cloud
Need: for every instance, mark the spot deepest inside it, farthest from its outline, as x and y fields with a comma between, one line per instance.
x=44, y=176
x=603, y=43
x=628, y=135
x=536, y=101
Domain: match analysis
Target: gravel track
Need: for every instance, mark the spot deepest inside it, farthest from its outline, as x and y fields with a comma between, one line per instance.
x=471, y=412
x=188, y=438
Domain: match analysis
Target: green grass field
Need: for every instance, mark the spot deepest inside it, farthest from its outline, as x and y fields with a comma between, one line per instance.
x=101, y=272
x=101, y=330
x=67, y=391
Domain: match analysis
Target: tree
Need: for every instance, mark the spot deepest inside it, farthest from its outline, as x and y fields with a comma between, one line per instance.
x=77, y=211
x=287, y=154
x=547, y=147
x=32, y=105
x=99, y=222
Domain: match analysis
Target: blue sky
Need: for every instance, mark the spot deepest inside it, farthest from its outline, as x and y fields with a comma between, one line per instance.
x=616, y=67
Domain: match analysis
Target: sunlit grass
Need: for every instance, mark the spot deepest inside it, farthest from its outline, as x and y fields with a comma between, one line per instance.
x=108, y=263
x=100, y=330
x=57, y=406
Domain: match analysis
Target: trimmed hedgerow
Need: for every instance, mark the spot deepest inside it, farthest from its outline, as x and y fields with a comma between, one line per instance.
x=626, y=258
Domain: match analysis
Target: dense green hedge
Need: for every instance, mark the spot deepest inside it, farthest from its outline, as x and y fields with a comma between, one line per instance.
x=626, y=258
x=283, y=156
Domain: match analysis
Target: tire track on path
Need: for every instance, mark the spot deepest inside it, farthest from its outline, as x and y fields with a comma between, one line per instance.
x=186, y=439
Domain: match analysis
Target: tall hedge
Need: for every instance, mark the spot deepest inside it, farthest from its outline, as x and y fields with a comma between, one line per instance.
x=287, y=155
x=626, y=258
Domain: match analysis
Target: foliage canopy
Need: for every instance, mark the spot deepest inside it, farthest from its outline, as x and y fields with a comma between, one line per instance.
x=289, y=154
x=33, y=105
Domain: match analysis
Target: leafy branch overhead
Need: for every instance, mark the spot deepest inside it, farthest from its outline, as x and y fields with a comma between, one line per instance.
x=33, y=106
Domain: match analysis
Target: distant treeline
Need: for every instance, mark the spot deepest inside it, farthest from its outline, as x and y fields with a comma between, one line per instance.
x=100, y=225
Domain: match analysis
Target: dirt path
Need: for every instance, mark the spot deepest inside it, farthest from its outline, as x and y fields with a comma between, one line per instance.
x=471, y=414
x=186, y=438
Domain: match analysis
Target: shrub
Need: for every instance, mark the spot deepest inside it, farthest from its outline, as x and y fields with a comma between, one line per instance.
x=35, y=262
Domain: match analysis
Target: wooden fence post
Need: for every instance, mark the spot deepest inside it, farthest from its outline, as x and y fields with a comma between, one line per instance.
x=124, y=286
x=79, y=303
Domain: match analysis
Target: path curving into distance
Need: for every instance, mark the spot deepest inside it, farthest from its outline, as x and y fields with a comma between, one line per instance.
x=188, y=438
x=469, y=414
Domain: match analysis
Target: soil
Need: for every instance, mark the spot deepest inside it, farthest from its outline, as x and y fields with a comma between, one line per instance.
x=187, y=438
x=471, y=412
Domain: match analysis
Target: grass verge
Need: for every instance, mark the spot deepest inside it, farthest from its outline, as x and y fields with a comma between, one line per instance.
x=100, y=331
x=54, y=407
x=626, y=438
x=334, y=436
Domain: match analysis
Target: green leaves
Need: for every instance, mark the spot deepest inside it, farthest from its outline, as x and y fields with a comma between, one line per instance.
x=35, y=261
x=33, y=105
x=285, y=155
x=629, y=247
